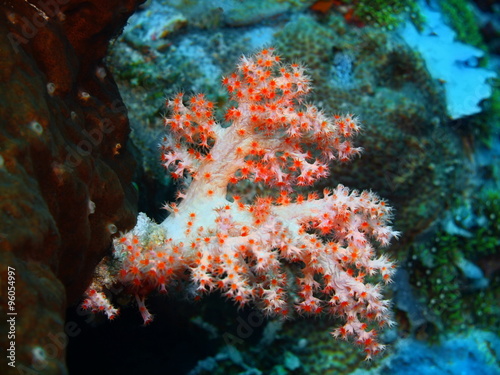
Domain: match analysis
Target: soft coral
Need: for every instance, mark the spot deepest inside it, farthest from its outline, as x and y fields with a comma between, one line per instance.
x=291, y=253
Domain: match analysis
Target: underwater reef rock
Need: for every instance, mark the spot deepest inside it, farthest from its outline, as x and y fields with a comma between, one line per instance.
x=209, y=14
x=65, y=171
x=413, y=152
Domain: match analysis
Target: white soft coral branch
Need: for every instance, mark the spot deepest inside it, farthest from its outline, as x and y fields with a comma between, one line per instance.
x=292, y=253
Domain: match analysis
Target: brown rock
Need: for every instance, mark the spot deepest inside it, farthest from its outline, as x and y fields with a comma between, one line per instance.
x=65, y=171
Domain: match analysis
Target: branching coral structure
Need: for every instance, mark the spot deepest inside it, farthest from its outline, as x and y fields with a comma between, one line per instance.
x=287, y=254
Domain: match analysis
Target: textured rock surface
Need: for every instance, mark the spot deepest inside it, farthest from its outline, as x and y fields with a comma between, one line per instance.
x=65, y=172
x=412, y=153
